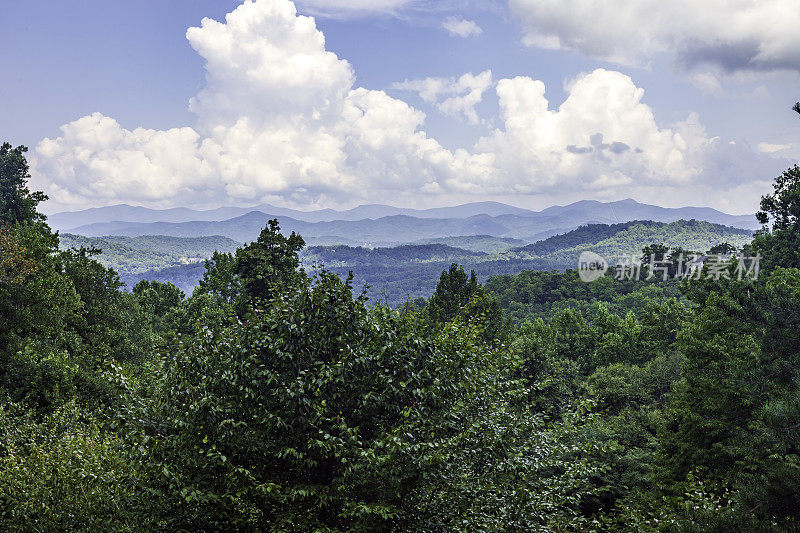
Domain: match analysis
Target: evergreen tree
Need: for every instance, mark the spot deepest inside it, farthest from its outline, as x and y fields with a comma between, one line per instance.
x=460, y=296
x=734, y=418
x=780, y=244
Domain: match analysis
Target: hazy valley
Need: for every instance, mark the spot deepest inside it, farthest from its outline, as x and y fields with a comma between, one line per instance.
x=399, y=256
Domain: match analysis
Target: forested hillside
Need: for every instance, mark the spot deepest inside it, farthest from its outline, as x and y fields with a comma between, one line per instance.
x=137, y=255
x=400, y=273
x=274, y=398
x=629, y=237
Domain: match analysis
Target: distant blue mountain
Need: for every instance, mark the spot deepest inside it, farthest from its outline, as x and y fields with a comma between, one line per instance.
x=480, y=218
x=399, y=228
x=70, y=220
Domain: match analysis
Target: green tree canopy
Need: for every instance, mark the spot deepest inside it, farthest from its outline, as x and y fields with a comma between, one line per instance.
x=270, y=263
x=158, y=298
x=454, y=290
x=17, y=203
x=256, y=272
x=780, y=244
x=723, y=249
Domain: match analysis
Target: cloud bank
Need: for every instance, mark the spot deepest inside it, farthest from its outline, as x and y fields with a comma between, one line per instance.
x=280, y=120
x=747, y=35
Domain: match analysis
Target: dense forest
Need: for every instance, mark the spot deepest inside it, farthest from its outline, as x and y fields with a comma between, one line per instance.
x=277, y=397
x=137, y=255
x=627, y=238
x=396, y=274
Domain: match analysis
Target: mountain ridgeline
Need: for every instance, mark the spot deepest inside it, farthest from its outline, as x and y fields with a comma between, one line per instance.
x=381, y=225
x=128, y=213
x=629, y=237
x=389, y=249
x=395, y=274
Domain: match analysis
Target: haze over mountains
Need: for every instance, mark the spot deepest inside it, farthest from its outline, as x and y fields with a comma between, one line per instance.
x=379, y=225
x=395, y=273
x=397, y=252
x=126, y=213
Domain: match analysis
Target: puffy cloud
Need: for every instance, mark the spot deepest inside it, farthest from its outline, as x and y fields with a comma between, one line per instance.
x=602, y=138
x=280, y=120
x=263, y=62
x=96, y=159
x=460, y=27
x=740, y=35
x=453, y=97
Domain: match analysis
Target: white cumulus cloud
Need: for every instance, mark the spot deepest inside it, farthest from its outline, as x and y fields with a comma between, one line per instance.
x=730, y=35
x=603, y=136
x=460, y=27
x=280, y=119
x=455, y=97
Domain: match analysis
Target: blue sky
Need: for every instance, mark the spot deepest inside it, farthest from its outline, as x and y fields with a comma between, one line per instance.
x=310, y=129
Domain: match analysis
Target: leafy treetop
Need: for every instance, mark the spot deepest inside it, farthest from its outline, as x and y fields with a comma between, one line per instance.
x=17, y=203
x=780, y=244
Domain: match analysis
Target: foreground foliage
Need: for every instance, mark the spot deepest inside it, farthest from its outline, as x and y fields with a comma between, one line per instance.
x=277, y=399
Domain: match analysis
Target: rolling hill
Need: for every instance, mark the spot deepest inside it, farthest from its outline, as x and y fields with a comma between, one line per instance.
x=137, y=255
x=403, y=229
x=627, y=238
x=395, y=274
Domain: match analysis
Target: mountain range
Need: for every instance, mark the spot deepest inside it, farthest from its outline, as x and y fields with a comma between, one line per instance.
x=395, y=273
x=379, y=225
x=70, y=220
